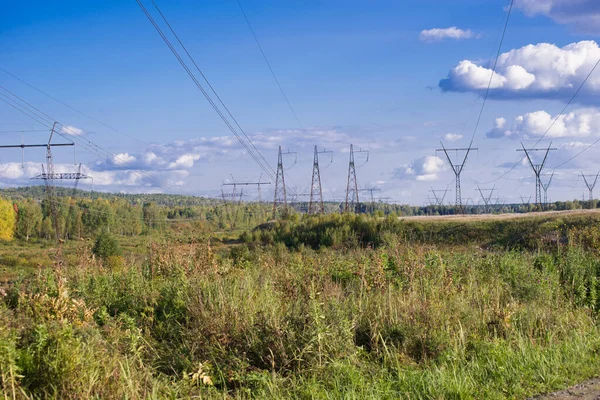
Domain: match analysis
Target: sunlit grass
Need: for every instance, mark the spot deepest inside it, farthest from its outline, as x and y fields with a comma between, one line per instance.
x=403, y=320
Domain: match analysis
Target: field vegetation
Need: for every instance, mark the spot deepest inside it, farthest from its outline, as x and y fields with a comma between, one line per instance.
x=307, y=307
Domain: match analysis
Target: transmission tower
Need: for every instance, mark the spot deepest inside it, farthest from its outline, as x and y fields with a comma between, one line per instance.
x=488, y=198
x=371, y=190
x=236, y=201
x=590, y=185
x=526, y=203
x=280, y=199
x=352, y=200
x=315, y=205
x=48, y=175
x=386, y=201
x=439, y=199
x=537, y=169
x=257, y=184
x=545, y=187
x=52, y=176
x=457, y=169
x=291, y=153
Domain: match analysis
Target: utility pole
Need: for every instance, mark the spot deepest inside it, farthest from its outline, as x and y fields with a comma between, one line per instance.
x=488, y=198
x=457, y=169
x=537, y=169
x=439, y=199
x=590, y=185
x=315, y=187
x=352, y=200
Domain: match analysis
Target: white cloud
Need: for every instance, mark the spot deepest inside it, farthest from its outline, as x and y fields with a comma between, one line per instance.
x=452, y=137
x=584, y=15
x=423, y=169
x=542, y=70
x=17, y=174
x=18, y=171
x=584, y=122
x=160, y=167
x=574, y=145
x=437, y=34
x=71, y=130
x=184, y=161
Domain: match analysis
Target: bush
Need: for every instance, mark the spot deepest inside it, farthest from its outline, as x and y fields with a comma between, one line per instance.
x=106, y=246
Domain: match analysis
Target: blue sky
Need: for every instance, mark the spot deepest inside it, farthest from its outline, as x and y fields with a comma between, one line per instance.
x=355, y=72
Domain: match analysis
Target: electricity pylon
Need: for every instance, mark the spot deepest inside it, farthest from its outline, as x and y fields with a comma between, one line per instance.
x=257, y=184
x=236, y=201
x=545, y=187
x=280, y=199
x=537, y=169
x=352, y=200
x=371, y=190
x=385, y=200
x=48, y=175
x=590, y=185
x=439, y=200
x=488, y=198
x=315, y=205
x=457, y=169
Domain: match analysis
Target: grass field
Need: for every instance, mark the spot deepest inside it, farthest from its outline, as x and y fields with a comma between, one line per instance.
x=360, y=308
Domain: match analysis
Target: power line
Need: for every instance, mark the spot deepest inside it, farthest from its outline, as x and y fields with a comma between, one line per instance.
x=457, y=169
x=66, y=132
x=287, y=100
x=537, y=170
x=487, y=91
x=209, y=84
x=258, y=158
x=552, y=124
x=71, y=107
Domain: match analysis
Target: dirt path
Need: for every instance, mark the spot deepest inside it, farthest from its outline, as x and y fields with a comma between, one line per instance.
x=476, y=217
x=589, y=390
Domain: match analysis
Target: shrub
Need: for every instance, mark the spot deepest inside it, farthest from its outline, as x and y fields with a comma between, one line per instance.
x=106, y=246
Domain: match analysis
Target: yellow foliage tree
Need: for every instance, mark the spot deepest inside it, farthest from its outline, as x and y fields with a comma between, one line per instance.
x=8, y=220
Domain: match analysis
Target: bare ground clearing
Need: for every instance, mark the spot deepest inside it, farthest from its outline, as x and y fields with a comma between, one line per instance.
x=487, y=217
x=588, y=390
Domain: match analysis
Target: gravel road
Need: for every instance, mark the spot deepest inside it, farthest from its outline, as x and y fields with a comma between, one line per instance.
x=589, y=390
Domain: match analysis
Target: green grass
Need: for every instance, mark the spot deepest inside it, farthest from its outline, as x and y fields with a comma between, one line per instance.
x=177, y=318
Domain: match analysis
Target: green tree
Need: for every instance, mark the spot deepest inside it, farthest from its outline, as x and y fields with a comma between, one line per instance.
x=29, y=219
x=154, y=216
x=98, y=216
x=106, y=246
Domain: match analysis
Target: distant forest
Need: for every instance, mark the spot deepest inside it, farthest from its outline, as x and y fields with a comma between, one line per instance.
x=86, y=213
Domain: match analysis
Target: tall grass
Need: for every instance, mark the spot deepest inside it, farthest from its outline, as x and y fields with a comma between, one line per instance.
x=398, y=321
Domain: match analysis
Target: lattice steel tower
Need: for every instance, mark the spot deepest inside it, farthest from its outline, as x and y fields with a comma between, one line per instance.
x=280, y=198
x=315, y=205
x=537, y=170
x=457, y=169
x=590, y=184
x=352, y=186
